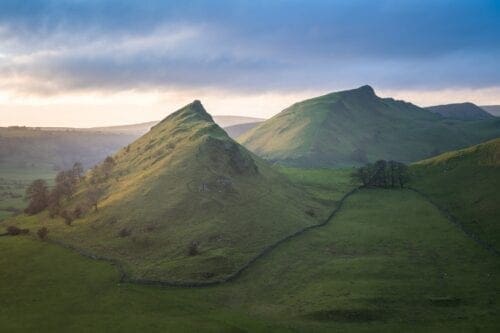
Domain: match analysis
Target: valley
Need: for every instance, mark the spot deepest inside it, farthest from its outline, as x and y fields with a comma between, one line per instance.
x=184, y=229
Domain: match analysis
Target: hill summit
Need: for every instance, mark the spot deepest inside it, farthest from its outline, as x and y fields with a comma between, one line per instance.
x=353, y=127
x=184, y=203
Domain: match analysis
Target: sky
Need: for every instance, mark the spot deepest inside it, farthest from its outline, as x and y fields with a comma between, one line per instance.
x=95, y=63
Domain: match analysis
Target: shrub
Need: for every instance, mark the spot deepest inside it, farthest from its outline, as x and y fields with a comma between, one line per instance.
x=14, y=231
x=193, y=249
x=42, y=233
x=124, y=233
x=310, y=212
x=68, y=218
x=77, y=212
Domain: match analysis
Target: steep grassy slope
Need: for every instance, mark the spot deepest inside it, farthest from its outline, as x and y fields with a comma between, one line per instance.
x=389, y=262
x=186, y=184
x=355, y=126
x=467, y=183
x=463, y=111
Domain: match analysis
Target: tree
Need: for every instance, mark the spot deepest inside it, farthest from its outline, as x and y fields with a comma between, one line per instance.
x=77, y=171
x=66, y=183
x=38, y=195
x=67, y=216
x=107, y=166
x=42, y=233
x=383, y=174
x=403, y=174
x=94, y=194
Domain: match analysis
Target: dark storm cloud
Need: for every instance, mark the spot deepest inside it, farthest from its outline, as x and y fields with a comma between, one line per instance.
x=250, y=45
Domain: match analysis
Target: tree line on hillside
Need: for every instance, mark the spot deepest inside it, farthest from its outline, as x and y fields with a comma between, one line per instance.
x=384, y=174
x=66, y=182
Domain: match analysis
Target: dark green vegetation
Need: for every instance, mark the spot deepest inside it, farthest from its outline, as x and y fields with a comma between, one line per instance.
x=383, y=174
x=354, y=127
x=388, y=262
x=466, y=182
x=463, y=111
x=237, y=130
x=182, y=203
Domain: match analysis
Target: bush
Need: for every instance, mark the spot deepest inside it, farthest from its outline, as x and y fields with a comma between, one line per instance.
x=77, y=212
x=14, y=231
x=124, y=233
x=310, y=212
x=193, y=249
x=42, y=233
x=68, y=218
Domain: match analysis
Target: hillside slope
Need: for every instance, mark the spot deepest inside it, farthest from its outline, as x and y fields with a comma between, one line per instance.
x=492, y=109
x=186, y=203
x=236, y=130
x=466, y=182
x=355, y=126
x=463, y=111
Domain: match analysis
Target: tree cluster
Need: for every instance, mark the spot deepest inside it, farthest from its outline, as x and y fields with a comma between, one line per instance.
x=102, y=172
x=39, y=197
x=385, y=174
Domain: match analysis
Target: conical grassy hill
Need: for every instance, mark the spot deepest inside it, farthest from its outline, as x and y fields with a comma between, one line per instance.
x=185, y=203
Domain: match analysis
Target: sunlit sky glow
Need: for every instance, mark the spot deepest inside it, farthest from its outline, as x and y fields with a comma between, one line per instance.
x=96, y=63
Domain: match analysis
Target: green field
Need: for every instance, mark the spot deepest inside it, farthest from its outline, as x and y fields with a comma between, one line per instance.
x=389, y=261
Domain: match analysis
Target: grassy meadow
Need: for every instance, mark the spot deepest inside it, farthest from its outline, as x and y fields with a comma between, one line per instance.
x=389, y=261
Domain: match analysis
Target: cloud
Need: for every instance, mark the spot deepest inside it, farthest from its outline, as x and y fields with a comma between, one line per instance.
x=55, y=47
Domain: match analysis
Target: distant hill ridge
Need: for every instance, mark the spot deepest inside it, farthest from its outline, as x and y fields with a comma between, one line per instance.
x=463, y=111
x=356, y=126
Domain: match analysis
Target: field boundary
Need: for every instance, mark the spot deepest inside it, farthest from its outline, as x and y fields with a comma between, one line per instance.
x=124, y=277
x=451, y=218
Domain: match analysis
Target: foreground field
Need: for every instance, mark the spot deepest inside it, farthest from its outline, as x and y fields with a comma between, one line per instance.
x=388, y=262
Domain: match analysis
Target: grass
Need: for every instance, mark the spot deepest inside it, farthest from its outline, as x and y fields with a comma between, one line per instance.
x=466, y=183
x=354, y=127
x=388, y=262
x=185, y=182
x=325, y=184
